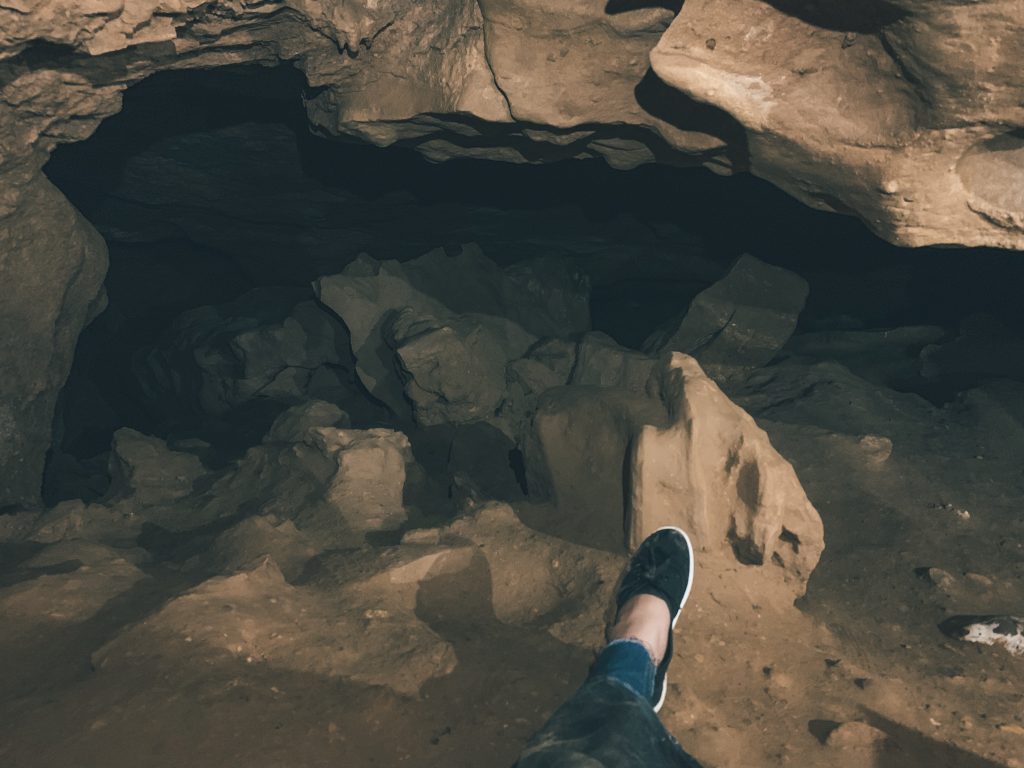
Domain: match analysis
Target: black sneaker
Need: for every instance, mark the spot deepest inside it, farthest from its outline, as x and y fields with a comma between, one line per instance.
x=661, y=566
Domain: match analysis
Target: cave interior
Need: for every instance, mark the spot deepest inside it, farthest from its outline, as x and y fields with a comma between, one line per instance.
x=897, y=396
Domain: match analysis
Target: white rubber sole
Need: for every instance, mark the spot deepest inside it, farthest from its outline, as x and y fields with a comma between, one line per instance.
x=679, y=610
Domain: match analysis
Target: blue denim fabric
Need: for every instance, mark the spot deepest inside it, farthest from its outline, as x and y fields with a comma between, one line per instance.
x=609, y=722
x=627, y=662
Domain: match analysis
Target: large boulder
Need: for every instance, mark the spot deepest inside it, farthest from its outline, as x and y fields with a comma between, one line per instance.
x=871, y=108
x=243, y=544
x=740, y=322
x=455, y=369
x=713, y=472
x=601, y=362
x=366, y=491
x=52, y=263
x=145, y=470
x=369, y=295
x=547, y=365
x=295, y=424
x=576, y=458
x=269, y=344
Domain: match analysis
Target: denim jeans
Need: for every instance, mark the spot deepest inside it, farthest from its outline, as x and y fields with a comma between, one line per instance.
x=609, y=722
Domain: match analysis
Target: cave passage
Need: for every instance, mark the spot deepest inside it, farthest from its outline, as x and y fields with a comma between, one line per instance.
x=212, y=192
x=347, y=467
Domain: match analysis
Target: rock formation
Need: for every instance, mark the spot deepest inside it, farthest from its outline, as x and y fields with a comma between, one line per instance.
x=53, y=263
x=882, y=111
x=269, y=344
x=739, y=323
x=366, y=585
x=714, y=473
x=872, y=110
x=458, y=313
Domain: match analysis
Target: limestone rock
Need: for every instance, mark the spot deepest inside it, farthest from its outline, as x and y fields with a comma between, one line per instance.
x=366, y=492
x=294, y=425
x=335, y=484
x=255, y=537
x=80, y=553
x=877, y=448
x=740, y=322
x=828, y=396
x=74, y=519
x=856, y=736
x=143, y=468
x=576, y=457
x=869, y=108
x=601, y=362
x=269, y=344
x=368, y=294
x=714, y=473
x=547, y=365
x=357, y=634
x=53, y=263
x=15, y=526
x=926, y=148
x=773, y=98
x=938, y=577
x=456, y=368
x=95, y=574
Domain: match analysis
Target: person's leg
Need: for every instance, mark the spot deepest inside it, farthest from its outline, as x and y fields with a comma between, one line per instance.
x=611, y=721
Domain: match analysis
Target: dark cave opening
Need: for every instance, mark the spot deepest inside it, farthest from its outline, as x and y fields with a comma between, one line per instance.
x=212, y=192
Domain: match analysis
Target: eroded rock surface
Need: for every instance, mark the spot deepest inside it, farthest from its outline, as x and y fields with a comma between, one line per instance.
x=73, y=581
x=456, y=369
x=145, y=470
x=271, y=344
x=873, y=110
x=439, y=331
x=53, y=263
x=739, y=323
x=714, y=473
x=256, y=616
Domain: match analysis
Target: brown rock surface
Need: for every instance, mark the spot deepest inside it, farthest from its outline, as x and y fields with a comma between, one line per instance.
x=739, y=323
x=145, y=470
x=714, y=473
x=576, y=457
x=906, y=114
x=875, y=109
x=256, y=616
x=52, y=263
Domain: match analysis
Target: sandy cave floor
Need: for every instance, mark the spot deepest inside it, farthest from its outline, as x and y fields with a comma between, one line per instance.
x=755, y=683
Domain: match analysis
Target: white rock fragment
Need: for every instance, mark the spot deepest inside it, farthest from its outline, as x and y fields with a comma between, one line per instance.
x=1007, y=631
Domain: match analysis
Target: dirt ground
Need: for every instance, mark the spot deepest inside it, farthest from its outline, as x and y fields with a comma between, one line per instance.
x=858, y=674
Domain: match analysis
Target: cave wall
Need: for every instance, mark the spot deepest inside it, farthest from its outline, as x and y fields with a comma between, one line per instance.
x=905, y=113
x=53, y=263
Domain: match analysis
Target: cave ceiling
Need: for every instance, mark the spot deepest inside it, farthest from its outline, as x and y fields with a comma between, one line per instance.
x=906, y=113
